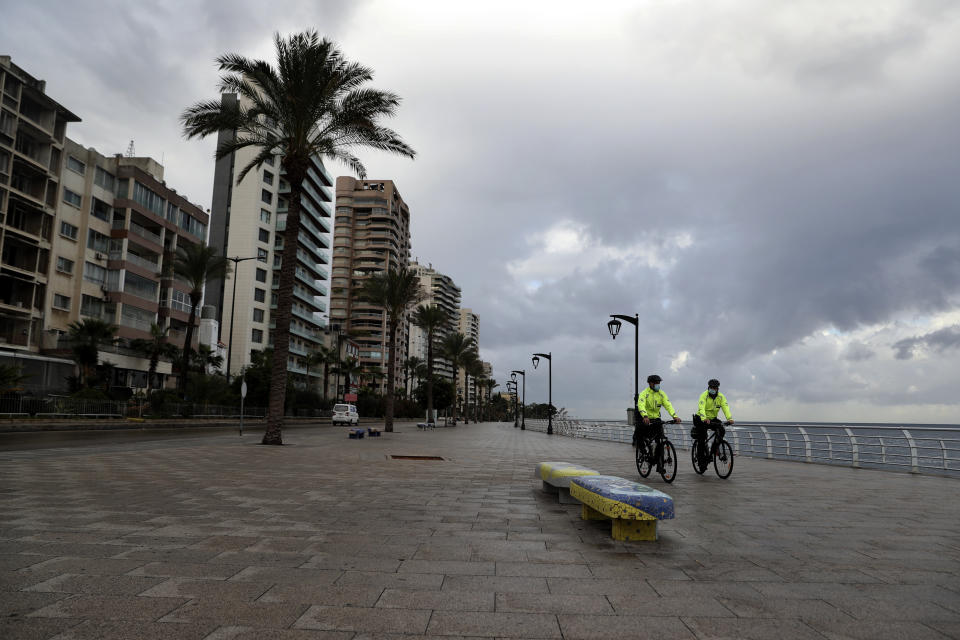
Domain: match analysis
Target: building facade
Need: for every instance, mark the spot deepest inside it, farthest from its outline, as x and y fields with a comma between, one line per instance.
x=32, y=134
x=468, y=323
x=118, y=230
x=248, y=220
x=438, y=289
x=371, y=235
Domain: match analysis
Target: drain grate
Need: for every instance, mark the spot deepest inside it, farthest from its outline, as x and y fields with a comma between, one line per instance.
x=392, y=457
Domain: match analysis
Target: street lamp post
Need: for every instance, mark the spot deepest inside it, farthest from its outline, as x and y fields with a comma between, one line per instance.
x=614, y=327
x=336, y=391
x=523, y=400
x=512, y=390
x=233, y=302
x=536, y=361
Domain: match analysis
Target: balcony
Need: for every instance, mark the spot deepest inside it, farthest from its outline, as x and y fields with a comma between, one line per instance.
x=133, y=258
x=145, y=233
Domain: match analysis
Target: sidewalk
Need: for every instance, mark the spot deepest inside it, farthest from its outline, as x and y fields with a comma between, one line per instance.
x=328, y=538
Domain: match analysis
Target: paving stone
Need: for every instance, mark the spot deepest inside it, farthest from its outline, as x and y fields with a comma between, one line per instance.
x=331, y=595
x=542, y=570
x=34, y=628
x=21, y=603
x=127, y=629
x=874, y=629
x=187, y=570
x=251, y=633
x=436, y=600
x=365, y=619
x=430, y=581
x=552, y=603
x=591, y=627
x=495, y=625
x=207, y=590
x=448, y=567
x=495, y=584
x=97, y=585
x=109, y=607
x=599, y=586
x=750, y=629
x=654, y=605
x=277, y=615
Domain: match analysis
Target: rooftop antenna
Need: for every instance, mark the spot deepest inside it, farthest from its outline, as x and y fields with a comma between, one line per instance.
x=130, y=151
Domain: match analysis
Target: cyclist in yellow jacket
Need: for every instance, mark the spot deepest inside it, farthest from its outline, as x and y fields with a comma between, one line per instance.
x=712, y=402
x=648, y=405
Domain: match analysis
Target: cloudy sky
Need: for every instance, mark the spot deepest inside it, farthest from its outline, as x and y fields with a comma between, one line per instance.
x=773, y=186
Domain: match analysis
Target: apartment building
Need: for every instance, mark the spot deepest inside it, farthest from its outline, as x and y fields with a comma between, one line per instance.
x=118, y=229
x=32, y=132
x=438, y=289
x=371, y=235
x=248, y=221
x=468, y=323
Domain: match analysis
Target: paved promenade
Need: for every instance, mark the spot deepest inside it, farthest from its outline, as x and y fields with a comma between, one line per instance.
x=328, y=538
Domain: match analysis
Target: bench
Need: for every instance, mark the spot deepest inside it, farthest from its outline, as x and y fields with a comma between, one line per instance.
x=556, y=478
x=426, y=425
x=634, y=508
x=355, y=434
x=373, y=433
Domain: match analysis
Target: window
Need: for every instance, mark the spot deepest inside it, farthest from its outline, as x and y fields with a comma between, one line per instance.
x=268, y=177
x=262, y=255
x=264, y=216
x=71, y=198
x=276, y=261
x=61, y=302
x=100, y=209
x=274, y=298
x=264, y=235
x=97, y=241
x=94, y=273
x=172, y=212
x=266, y=196
x=123, y=188
x=180, y=301
x=261, y=275
x=75, y=165
x=64, y=265
x=269, y=161
x=257, y=336
x=258, y=315
x=67, y=230
x=148, y=198
x=104, y=179
x=91, y=306
x=260, y=295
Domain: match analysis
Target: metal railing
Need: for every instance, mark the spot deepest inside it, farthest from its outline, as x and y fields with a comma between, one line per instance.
x=917, y=449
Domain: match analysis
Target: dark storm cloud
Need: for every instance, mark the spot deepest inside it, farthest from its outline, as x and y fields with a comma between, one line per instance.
x=937, y=341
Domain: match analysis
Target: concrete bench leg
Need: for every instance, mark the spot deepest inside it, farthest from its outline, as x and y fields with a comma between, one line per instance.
x=549, y=488
x=641, y=530
x=589, y=513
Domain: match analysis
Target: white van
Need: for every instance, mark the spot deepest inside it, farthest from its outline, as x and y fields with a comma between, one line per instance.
x=345, y=414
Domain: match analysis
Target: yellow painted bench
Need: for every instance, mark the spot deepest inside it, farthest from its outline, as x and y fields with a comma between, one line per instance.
x=556, y=478
x=634, y=508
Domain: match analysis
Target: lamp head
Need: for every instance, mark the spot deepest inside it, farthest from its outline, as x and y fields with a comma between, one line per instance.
x=513, y=376
x=614, y=327
x=536, y=361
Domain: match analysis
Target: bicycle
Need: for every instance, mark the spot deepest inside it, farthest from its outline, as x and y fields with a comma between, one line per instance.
x=657, y=450
x=713, y=447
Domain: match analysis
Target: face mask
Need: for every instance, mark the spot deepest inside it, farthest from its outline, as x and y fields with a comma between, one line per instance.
x=656, y=387
x=713, y=392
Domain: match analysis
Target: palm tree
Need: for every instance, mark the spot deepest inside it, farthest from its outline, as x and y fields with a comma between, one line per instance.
x=316, y=357
x=431, y=319
x=455, y=347
x=153, y=349
x=394, y=291
x=195, y=264
x=409, y=370
x=313, y=104
x=349, y=369
x=86, y=336
x=330, y=357
x=205, y=359
x=490, y=384
x=472, y=367
x=10, y=377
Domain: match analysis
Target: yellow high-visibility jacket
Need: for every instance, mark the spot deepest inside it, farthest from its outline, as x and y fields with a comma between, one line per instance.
x=650, y=401
x=710, y=406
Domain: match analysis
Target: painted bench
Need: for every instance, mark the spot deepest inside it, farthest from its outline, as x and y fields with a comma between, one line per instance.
x=556, y=478
x=373, y=433
x=355, y=434
x=426, y=425
x=634, y=508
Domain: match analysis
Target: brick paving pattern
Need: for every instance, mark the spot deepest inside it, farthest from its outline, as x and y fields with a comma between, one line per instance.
x=328, y=538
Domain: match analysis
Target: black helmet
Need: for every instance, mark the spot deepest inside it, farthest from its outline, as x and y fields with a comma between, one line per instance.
x=653, y=378
x=713, y=384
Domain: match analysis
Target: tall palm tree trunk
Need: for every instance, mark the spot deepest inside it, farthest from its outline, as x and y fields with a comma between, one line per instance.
x=391, y=373
x=430, y=377
x=188, y=342
x=326, y=378
x=281, y=334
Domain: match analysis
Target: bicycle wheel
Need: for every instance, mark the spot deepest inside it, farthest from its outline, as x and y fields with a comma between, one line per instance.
x=644, y=459
x=700, y=461
x=723, y=459
x=668, y=457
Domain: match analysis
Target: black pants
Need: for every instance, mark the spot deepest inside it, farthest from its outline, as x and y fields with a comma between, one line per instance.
x=701, y=426
x=641, y=430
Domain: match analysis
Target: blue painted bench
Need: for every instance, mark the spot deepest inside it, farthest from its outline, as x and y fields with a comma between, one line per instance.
x=373, y=433
x=426, y=425
x=634, y=508
x=556, y=478
x=355, y=434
